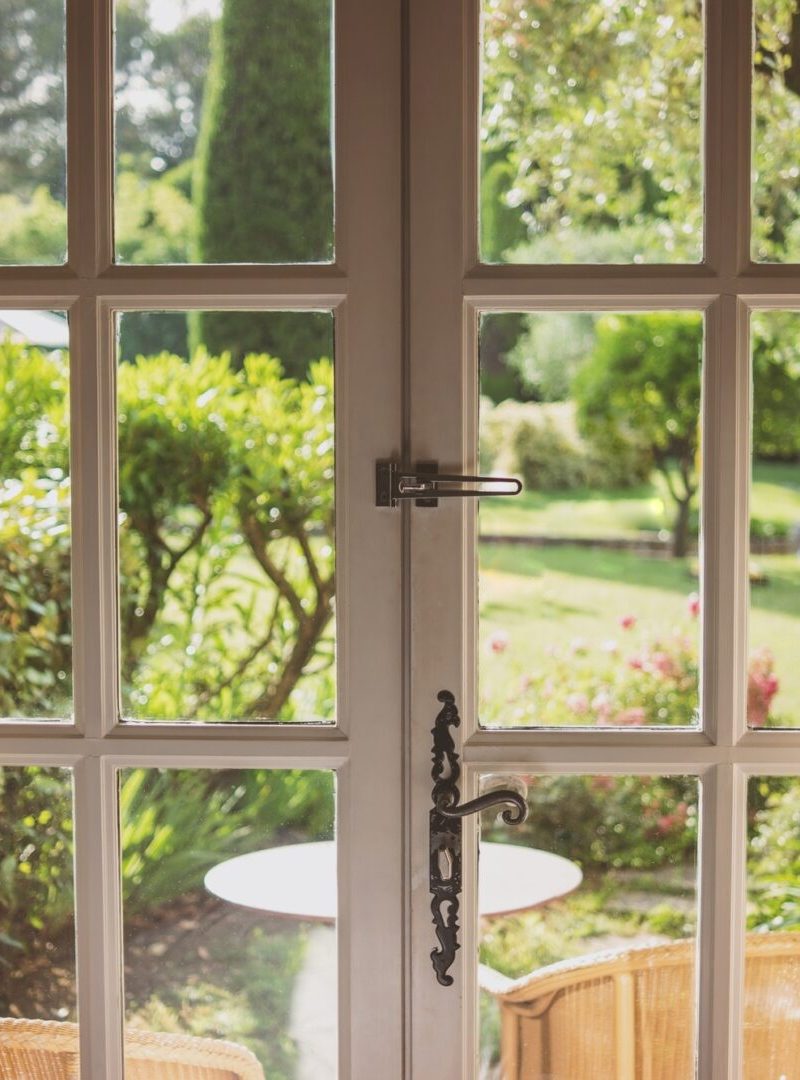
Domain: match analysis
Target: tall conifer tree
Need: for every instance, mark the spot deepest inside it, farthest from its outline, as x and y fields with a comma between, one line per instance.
x=263, y=185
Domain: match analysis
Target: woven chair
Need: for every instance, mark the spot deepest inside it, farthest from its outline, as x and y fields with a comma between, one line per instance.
x=47, y=1050
x=627, y=1015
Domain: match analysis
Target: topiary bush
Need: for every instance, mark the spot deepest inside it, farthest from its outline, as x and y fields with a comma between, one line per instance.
x=540, y=443
x=546, y=458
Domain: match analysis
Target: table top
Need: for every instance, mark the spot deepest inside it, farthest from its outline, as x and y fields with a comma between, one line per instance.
x=299, y=880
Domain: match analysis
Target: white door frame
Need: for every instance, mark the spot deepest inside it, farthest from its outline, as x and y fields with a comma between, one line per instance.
x=363, y=289
x=449, y=287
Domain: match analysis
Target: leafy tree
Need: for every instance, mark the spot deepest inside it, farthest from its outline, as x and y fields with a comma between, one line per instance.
x=263, y=183
x=595, y=109
x=156, y=130
x=776, y=385
x=32, y=98
x=226, y=537
x=642, y=385
x=776, y=106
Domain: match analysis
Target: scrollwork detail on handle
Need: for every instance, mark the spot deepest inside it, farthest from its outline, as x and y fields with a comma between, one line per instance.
x=445, y=833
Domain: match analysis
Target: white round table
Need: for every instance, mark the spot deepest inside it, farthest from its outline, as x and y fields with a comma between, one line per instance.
x=299, y=880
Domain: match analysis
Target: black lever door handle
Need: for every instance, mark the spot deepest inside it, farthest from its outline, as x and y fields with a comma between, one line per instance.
x=514, y=814
x=445, y=833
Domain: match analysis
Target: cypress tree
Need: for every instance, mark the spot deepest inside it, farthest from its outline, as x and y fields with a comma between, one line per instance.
x=263, y=183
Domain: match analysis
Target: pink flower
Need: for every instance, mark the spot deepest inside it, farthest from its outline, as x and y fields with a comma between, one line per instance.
x=627, y=622
x=601, y=703
x=762, y=686
x=498, y=641
x=693, y=605
x=636, y=663
x=633, y=717
x=578, y=703
x=664, y=664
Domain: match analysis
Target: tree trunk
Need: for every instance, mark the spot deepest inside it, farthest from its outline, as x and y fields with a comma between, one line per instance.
x=680, y=530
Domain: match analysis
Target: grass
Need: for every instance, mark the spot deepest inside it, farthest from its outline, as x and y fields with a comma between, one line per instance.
x=552, y=597
x=647, y=508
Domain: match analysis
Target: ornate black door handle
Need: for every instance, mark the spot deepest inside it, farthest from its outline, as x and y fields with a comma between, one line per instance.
x=445, y=833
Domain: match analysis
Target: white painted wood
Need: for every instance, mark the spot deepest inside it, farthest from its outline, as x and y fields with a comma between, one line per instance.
x=391, y=1010
x=363, y=289
x=449, y=289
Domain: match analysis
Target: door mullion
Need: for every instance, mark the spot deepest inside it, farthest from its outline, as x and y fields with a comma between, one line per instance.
x=93, y=468
x=727, y=119
x=721, y=926
x=90, y=176
x=98, y=920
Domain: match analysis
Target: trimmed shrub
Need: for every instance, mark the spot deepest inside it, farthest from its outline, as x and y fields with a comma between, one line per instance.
x=263, y=183
x=540, y=443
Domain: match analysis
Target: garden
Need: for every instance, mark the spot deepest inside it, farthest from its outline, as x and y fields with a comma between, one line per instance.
x=590, y=583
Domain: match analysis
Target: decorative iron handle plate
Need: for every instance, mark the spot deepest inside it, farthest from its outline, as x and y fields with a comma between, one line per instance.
x=445, y=833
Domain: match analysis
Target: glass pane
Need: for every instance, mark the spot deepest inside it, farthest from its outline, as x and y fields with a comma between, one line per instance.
x=35, y=612
x=776, y=153
x=33, y=132
x=37, y=922
x=591, y=134
x=772, y=950
x=224, y=131
x=226, y=482
x=589, y=580
x=773, y=687
x=592, y=977
x=229, y=909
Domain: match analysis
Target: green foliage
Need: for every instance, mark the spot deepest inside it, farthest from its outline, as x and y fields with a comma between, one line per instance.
x=550, y=349
x=597, y=109
x=34, y=228
x=173, y=457
x=642, y=385
x=36, y=886
x=231, y=517
x=32, y=99
x=546, y=457
x=226, y=537
x=774, y=855
x=33, y=409
x=611, y=822
x=35, y=618
x=776, y=385
x=541, y=444
x=154, y=219
x=263, y=184
x=157, y=131
x=776, y=102
x=177, y=823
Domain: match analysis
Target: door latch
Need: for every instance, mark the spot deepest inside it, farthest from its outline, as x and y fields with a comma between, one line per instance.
x=445, y=833
x=426, y=485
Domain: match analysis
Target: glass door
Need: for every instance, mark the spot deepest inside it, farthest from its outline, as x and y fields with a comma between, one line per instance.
x=200, y=786
x=603, y=301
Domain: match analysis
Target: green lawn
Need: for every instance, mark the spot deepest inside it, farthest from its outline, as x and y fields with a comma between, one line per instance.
x=775, y=499
x=547, y=599
x=537, y=601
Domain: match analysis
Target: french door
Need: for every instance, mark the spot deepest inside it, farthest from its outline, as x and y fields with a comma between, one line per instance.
x=493, y=615
x=188, y=674
x=129, y=763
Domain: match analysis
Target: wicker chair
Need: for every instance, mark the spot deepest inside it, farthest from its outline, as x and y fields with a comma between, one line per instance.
x=47, y=1050
x=627, y=1015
